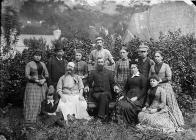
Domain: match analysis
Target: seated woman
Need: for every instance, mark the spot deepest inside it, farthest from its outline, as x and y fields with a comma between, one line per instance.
x=130, y=104
x=164, y=73
x=156, y=113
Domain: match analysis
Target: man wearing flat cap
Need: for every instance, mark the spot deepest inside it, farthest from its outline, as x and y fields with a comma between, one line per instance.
x=100, y=52
x=56, y=66
x=144, y=62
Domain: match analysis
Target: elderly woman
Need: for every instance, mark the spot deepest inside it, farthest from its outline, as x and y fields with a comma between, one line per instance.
x=36, y=74
x=164, y=72
x=122, y=68
x=70, y=88
x=130, y=104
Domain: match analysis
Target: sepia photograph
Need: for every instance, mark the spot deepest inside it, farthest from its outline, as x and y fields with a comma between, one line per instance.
x=98, y=70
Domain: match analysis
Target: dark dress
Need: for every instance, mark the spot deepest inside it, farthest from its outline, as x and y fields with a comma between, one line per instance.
x=134, y=87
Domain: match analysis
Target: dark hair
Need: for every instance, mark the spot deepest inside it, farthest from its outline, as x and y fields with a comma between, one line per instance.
x=160, y=52
x=154, y=76
x=124, y=48
x=50, y=94
x=37, y=52
x=78, y=51
x=133, y=63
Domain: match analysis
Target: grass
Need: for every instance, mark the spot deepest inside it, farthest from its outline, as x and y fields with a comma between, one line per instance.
x=11, y=125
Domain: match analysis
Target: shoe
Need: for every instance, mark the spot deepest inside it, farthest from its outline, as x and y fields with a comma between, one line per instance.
x=60, y=123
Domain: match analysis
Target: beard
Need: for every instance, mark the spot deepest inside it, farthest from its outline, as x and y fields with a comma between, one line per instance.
x=100, y=67
x=70, y=71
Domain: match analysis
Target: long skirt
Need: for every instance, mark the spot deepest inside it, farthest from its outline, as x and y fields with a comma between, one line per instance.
x=34, y=95
x=128, y=111
x=163, y=120
x=172, y=103
x=70, y=104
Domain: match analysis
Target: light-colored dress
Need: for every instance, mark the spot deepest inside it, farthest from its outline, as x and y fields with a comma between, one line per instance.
x=163, y=119
x=34, y=93
x=69, y=86
x=165, y=74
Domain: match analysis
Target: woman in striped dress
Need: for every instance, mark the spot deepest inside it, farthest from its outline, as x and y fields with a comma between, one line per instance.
x=155, y=114
x=36, y=74
x=164, y=72
x=122, y=69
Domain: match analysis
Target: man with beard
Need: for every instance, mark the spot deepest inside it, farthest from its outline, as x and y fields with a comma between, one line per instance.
x=70, y=89
x=102, y=81
x=100, y=52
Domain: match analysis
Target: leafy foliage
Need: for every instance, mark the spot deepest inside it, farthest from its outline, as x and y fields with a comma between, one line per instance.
x=11, y=28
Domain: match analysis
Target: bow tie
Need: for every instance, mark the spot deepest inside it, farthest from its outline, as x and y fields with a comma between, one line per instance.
x=50, y=101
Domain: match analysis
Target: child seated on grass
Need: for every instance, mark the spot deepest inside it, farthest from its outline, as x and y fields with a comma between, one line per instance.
x=48, y=111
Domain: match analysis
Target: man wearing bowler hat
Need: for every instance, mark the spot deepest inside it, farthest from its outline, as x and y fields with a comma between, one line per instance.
x=56, y=66
x=100, y=52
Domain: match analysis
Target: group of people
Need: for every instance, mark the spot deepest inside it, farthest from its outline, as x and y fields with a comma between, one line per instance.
x=146, y=94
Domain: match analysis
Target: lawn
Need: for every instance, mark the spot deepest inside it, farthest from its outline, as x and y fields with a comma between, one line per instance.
x=11, y=125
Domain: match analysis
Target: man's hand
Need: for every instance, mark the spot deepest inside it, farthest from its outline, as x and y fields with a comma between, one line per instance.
x=121, y=98
x=86, y=89
x=116, y=89
x=133, y=99
x=144, y=109
x=81, y=98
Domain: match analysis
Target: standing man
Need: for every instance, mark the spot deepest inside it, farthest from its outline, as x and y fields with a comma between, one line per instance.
x=100, y=52
x=81, y=67
x=102, y=82
x=144, y=62
x=56, y=67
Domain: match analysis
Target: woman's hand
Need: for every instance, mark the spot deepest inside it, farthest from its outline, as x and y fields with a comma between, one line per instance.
x=121, y=98
x=133, y=99
x=42, y=81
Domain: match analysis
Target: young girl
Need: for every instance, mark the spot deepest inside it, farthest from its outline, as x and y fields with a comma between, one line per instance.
x=156, y=113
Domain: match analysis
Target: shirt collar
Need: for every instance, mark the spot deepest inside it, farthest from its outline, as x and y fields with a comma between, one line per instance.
x=124, y=59
x=135, y=75
x=50, y=101
x=59, y=58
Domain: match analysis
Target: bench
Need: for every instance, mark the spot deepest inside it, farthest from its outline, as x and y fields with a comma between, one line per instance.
x=92, y=104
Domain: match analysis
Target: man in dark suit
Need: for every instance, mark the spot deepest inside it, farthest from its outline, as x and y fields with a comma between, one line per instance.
x=103, y=83
x=56, y=67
